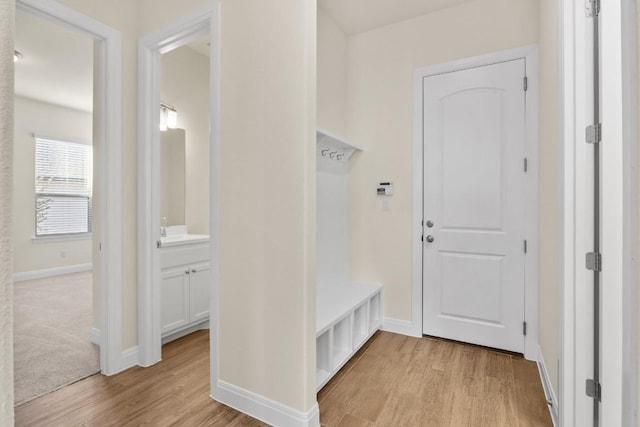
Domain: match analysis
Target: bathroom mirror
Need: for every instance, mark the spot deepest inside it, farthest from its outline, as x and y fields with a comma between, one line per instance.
x=172, y=177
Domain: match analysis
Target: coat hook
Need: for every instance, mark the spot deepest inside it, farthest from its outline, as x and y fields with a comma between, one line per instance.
x=340, y=156
x=332, y=154
x=324, y=152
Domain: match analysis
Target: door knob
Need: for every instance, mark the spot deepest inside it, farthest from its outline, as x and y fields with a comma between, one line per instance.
x=429, y=223
x=430, y=239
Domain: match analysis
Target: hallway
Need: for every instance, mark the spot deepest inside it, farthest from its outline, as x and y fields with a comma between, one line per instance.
x=393, y=381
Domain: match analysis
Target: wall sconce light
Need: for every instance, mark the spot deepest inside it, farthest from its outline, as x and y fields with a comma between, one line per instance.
x=16, y=56
x=168, y=117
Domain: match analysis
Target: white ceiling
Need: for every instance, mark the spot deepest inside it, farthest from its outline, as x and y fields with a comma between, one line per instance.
x=358, y=16
x=57, y=63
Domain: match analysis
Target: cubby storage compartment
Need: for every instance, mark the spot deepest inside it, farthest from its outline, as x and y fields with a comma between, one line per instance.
x=341, y=341
x=374, y=313
x=323, y=357
x=360, y=329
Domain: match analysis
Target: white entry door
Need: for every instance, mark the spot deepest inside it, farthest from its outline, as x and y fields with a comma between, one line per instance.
x=474, y=205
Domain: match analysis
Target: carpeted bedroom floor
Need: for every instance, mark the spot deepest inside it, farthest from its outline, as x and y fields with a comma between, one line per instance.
x=52, y=321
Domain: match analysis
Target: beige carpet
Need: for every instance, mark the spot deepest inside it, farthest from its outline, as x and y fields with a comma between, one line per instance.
x=53, y=317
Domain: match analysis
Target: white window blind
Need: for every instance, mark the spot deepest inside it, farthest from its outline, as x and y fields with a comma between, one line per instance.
x=63, y=187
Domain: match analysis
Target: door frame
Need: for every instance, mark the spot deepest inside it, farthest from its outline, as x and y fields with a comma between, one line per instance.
x=150, y=48
x=619, y=213
x=108, y=121
x=530, y=55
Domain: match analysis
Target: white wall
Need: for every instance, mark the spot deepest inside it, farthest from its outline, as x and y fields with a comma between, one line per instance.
x=185, y=85
x=56, y=122
x=332, y=75
x=332, y=235
x=332, y=177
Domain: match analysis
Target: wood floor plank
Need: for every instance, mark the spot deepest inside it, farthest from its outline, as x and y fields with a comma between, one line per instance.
x=347, y=367
x=433, y=382
x=532, y=405
x=349, y=420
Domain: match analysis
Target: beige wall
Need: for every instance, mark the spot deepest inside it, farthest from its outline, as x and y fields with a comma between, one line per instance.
x=56, y=122
x=380, y=110
x=267, y=265
x=332, y=75
x=550, y=146
x=185, y=85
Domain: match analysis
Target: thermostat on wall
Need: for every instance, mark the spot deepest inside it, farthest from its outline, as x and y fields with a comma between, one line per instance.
x=385, y=188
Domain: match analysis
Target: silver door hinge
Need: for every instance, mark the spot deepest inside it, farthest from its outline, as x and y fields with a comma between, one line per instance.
x=593, y=389
x=525, y=83
x=525, y=246
x=526, y=164
x=524, y=328
x=593, y=261
x=158, y=244
x=592, y=8
x=100, y=246
x=593, y=133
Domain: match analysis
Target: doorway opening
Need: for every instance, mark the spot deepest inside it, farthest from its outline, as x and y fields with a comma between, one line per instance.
x=71, y=121
x=54, y=298
x=177, y=180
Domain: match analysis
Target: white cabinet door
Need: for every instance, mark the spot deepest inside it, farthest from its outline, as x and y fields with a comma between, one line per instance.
x=200, y=278
x=175, y=299
x=474, y=135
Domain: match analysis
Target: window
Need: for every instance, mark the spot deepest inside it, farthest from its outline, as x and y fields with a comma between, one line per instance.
x=63, y=188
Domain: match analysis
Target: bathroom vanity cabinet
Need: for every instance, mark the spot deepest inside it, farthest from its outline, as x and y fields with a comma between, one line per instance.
x=185, y=282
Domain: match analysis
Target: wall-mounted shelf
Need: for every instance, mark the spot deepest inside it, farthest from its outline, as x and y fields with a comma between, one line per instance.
x=335, y=144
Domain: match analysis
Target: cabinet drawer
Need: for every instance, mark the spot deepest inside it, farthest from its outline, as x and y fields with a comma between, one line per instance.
x=184, y=255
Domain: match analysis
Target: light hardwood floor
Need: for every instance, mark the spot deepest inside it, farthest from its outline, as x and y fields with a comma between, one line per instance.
x=393, y=381
x=402, y=381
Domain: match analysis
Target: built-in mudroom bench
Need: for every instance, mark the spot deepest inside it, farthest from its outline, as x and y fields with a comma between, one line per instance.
x=348, y=313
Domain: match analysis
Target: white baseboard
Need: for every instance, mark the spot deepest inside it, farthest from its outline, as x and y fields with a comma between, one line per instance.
x=50, y=272
x=264, y=409
x=95, y=336
x=402, y=327
x=548, y=389
x=129, y=358
x=184, y=332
